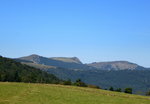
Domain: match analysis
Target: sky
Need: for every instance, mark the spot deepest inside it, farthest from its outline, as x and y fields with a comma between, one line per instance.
x=92, y=30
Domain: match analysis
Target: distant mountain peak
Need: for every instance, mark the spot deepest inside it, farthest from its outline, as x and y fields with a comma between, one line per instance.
x=115, y=65
x=34, y=58
x=63, y=62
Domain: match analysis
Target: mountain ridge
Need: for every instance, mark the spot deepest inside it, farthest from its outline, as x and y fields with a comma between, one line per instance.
x=75, y=63
x=116, y=65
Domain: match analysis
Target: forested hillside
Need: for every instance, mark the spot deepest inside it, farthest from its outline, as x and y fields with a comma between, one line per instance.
x=139, y=80
x=13, y=71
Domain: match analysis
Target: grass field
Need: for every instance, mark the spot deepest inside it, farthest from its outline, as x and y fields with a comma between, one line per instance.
x=23, y=93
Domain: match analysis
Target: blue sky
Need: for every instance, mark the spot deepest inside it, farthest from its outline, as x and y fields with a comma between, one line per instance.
x=93, y=30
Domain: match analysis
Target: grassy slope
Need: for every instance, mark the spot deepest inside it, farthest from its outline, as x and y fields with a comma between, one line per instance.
x=21, y=93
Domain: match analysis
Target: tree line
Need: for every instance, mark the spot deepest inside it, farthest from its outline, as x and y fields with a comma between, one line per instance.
x=80, y=83
x=126, y=90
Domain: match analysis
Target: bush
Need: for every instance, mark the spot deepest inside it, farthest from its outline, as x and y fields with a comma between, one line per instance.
x=148, y=93
x=80, y=83
x=128, y=90
x=111, y=89
x=68, y=82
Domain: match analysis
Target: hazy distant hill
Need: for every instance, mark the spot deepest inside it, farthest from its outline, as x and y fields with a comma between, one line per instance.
x=116, y=65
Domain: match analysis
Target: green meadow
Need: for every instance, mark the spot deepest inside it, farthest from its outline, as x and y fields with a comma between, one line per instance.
x=26, y=93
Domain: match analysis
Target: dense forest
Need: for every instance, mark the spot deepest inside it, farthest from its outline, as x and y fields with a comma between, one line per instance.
x=139, y=80
x=13, y=71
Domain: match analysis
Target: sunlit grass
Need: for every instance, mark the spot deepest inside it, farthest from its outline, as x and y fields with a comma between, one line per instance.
x=24, y=93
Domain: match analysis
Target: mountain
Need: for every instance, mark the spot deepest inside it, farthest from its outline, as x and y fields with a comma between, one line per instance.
x=119, y=74
x=13, y=71
x=68, y=63
x=74, y=63
x=116, y=65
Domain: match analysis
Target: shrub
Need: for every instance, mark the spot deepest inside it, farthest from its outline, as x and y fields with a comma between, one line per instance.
x=80, y=83
x=148, y=93
x=111, y=89
x=68, y=82
x=128, y=90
